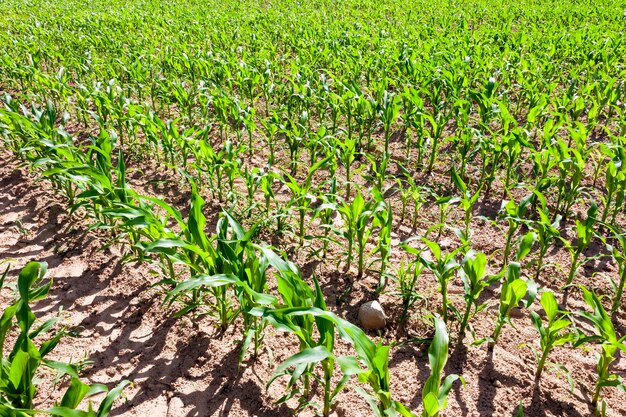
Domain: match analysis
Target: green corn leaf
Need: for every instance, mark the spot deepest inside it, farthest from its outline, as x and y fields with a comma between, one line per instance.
x=431, y=404
x=549, y=304
x=107, y=403
x=525, y=245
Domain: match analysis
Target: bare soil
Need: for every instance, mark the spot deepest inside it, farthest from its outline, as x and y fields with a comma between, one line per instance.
x=185, y=367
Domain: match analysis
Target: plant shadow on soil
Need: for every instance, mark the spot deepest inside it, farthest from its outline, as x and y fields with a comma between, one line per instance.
x=93, y=284
x=40, y=225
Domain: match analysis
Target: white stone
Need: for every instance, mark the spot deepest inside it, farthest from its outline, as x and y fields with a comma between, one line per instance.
x=372, y=316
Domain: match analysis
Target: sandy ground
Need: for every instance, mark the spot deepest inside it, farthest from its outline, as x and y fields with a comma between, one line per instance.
x=184, y=367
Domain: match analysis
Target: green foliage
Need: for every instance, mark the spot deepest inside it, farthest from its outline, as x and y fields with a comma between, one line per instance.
x=584, y=233
x=513, y=291
x=609, y=342
x=435, y=391
x=442, y=265
x=553, y=332
x=473, y=274
x=20, y=369
x=264, y=113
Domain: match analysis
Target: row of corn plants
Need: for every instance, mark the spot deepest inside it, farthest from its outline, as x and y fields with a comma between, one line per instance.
x=339, y=136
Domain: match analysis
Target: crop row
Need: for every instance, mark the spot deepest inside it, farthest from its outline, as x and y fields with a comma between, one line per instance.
x=338, y=136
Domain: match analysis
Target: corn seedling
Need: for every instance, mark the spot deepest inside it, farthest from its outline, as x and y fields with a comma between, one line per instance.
x=514, y=215
x=619, y=256
x=473, y=272
x=406, y=277
x=609, y=342
x=435, y=391
x=553, y=332
x=546, y=231
x=357, y=217
x=467, y=201
x=513, y=291
x=442, y=266
x=584, y=233
x=19, y=371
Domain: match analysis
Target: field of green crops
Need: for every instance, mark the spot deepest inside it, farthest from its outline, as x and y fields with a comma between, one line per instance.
x=463, y=162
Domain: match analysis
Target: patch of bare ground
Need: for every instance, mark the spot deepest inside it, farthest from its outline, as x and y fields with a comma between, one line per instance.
x=185, y=367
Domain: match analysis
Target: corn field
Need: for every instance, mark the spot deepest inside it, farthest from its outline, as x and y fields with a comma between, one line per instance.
x=463, y=163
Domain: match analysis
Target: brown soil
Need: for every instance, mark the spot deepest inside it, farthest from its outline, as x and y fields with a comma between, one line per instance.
x=184, y=367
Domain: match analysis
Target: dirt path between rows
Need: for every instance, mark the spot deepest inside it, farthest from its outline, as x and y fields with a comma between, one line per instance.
x=183, y=367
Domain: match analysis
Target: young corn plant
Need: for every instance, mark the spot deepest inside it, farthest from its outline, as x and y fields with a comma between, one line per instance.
x=347, y=153
x=239, y=261
x=378, y=170
x=584, y=233
x=301, y=195
x=376, y=375
x=389, y=110
x=208, y=273
x=553, y=332
x=446, y=206
x=473, y=273
x=609, y=342
x=441, y=265
x=406, y=276
x=296, y=297
x=325, y=213
x=514, y=215
x=20, y=369
x=435, y=391
x=546, y=230
x=383, y=217
x=512, y=293
x=571, y=173
x=619, y=256
x=357, y=229
x=303, y=313
x=375, y=358
x=615, y=179
x=467, y=201
x=319, y=352
x=272, y=126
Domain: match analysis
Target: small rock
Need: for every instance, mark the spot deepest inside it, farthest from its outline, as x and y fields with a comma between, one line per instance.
x=372, y=316
x=497, y=383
